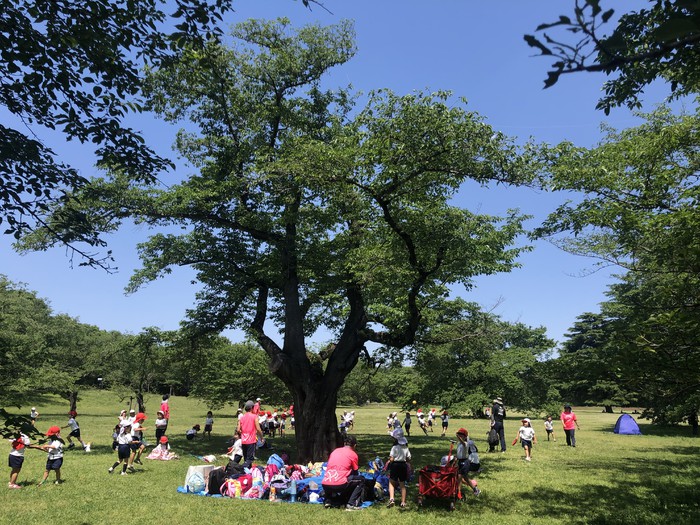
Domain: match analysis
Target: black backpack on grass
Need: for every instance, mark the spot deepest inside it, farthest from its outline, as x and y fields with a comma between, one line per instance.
x=216, y=479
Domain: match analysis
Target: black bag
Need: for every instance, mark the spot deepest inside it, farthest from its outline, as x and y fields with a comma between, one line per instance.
x=370, y=495
x=234, y=470
x=216, y=479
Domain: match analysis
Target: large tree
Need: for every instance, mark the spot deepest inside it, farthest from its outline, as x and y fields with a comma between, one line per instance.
x=659, y=41
x=304, y=215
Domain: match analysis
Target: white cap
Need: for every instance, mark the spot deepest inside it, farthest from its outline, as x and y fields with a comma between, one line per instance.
x=33, y=408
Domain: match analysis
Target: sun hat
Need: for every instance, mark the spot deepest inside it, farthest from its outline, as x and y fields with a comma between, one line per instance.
x=53, y=431
x=397, y=434
x=463, y=431
x=249, y=405
x=132, y=411
x=140, y=416
x=258, y=399
x=526, y=419
x=498, y=400
x=163, y=439
x=125, y=423
x=160, y=412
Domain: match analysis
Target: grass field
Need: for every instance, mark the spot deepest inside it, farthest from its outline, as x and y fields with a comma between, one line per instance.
x=607, y=478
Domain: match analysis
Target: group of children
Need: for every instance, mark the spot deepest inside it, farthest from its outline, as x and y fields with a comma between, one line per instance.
x=426, y=423
x=54, y=447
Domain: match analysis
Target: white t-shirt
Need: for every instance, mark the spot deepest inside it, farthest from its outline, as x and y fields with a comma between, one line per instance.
x=20, y=451
x=55, y=449
x=400, y=453
x=73, y=424
x=526, y=433
x=548, y=425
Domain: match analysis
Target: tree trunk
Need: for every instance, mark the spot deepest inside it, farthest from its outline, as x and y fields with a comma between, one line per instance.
x=693, y=420
x=139, y=402
x=316, y=424
x=73, y=399
x=608, y=409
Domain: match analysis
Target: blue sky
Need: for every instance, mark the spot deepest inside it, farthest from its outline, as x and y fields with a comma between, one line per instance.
x=473, y=48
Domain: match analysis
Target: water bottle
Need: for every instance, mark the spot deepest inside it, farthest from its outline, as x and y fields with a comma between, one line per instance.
x=272, y=493
x=293, y=489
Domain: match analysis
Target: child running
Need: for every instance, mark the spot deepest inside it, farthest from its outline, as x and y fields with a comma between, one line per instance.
x=527, y=438
x=398, y=466
x=54, y=448
x=466, y=451
x=75, y=431
x=124, y=441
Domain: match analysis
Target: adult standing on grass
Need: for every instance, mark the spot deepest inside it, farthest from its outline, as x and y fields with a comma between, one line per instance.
x=570, y=423
x=250, y=431
x=165, y=409
x=498, y=415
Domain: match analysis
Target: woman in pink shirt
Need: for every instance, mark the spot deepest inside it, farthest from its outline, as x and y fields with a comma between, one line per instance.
x=250, y=431
x=342, y=485
x=570, y=423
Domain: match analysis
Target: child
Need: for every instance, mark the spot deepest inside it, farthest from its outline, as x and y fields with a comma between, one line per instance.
x=33, y=415
x=124, y=442
x=465, y=456
x=398, y=466
x=138, y=445
x=208, y=424
x=54, y=449
x=162, y=451
x=407, y=424
x=75, y=431
x=17, y=458
x=445, y=422
x=549, y=427
x=192, y=432
x=527, y=438
x=161, y=425
x=431, y=419
x=236, y=451
x=421, y=422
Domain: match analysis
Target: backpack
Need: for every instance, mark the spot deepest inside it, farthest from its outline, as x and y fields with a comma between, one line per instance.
x=216, y=480
x=492, y=437
x=473, y=453
x=274, y=459
x=195, y=482
x=231, y=488
x=234, y=469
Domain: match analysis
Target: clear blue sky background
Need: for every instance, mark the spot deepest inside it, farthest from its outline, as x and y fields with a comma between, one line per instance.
x=473, y=48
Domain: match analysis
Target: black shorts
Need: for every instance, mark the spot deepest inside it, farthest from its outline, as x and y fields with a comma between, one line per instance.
x=207, y=428
x=75, y=433
x=15, y=461
x=54, y=464
x=398, y=471
x=444, y=424
x=463, y=465
x=123, y=451
x=135, y=445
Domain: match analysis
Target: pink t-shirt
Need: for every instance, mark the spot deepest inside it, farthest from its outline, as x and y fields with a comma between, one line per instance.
x=341, y=463
x=568, y=419
x=249, y=433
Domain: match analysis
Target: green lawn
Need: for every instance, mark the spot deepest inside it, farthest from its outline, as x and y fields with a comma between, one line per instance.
x=645, y=479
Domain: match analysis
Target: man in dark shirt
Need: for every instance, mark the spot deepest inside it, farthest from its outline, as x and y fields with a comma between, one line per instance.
x=498, y=414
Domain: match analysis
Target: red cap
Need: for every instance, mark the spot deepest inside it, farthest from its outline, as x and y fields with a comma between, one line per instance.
x=140, y=416
x=463, y=431
x=72, y=413
x=53, y=431
x=163, y=439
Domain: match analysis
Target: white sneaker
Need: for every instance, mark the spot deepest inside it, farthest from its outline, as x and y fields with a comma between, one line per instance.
x=123, y=473
x=527, y=459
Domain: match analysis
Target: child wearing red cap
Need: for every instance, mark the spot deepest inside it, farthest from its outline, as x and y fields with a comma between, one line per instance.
x=75, y=431
x=16, y=458
x=137, y=442
x=54, y=448
x=466, y=452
